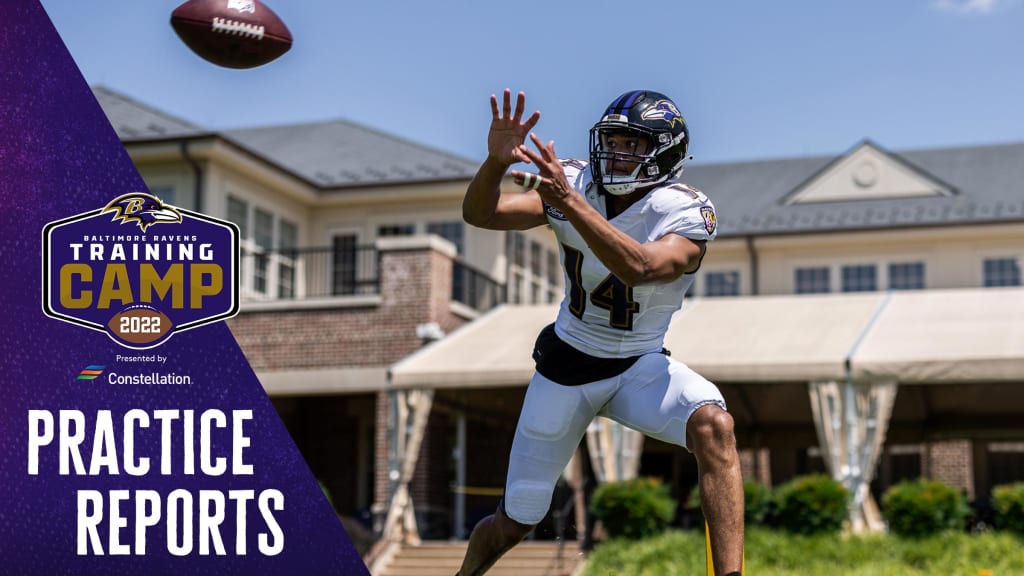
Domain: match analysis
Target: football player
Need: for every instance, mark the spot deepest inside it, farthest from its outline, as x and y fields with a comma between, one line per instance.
x=631, y=238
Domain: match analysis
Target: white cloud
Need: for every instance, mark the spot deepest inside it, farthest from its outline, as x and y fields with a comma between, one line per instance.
x=966, y=6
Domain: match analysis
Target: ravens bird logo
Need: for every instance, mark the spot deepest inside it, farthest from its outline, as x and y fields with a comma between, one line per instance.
x=664, y=110
x=143, y=209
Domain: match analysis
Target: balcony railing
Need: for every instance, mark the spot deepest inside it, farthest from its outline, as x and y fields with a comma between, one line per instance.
x=307, y=273
x=475, y=288
x=316, y=273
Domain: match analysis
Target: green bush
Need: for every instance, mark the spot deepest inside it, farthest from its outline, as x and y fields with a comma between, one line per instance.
x=633, y=508
x=924, y=507
x=811, y=504
x=756, y=502
x=1008, y=507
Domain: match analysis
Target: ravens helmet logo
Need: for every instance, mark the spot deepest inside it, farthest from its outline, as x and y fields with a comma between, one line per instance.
x=666, y=111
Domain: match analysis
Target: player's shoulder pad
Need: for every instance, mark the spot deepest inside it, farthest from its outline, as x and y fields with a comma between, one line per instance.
x=677, y=196
x=573, y=167
x=688, y=204
x=689, y=191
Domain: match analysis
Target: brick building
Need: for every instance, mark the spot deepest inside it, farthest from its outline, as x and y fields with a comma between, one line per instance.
x=359, y=279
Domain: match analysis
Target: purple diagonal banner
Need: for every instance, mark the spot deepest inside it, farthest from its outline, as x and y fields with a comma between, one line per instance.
x=124, y=450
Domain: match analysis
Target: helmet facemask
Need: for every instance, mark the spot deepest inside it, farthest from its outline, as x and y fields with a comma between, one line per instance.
x=651, y=168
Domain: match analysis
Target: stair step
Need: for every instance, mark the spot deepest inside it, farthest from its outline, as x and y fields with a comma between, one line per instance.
x=444, y=558
x=412, y=553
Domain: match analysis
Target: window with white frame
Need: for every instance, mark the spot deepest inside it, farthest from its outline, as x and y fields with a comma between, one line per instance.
x=553, y=295
x=554, y=276
x=344, y=253
x=287, y=243
x=1001, y=272
x=452, y=231
x=535, y=268
x=389, y=230
x=812, y=280
x=536, y=263
x=725, y=283
x=518, y=249
x=906, y=276
x=554, y=270
x=516, y=289
x=267, y=251
x=263, y=237
x=859, y=278
x=166, y=194
x=238, y=212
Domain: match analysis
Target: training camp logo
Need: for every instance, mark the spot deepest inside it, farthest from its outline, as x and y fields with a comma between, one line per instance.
x=140, y=270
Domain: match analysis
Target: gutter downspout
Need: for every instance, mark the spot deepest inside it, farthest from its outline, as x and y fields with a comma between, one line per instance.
x=197, y=186
x=755, y=267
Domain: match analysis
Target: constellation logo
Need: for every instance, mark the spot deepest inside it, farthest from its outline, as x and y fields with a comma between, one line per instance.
x=91, y=372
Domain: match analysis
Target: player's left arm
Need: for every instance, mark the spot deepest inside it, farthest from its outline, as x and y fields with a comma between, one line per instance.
x=656, y=262
x=635, y=263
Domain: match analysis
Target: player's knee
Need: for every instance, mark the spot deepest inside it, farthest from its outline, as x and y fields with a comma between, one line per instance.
x=527, y=502
x=711, y=429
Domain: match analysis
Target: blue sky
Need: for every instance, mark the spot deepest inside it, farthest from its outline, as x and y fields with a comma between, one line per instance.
x=754, y=79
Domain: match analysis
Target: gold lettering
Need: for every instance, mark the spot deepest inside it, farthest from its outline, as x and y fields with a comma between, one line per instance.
x=173, y=282
x=116, y=286
x=201, y=290
x=68, y=272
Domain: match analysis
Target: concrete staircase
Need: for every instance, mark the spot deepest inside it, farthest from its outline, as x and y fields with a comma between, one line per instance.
x=530, y=558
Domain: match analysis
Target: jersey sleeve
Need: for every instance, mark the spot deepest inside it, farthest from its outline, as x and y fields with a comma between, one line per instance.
x=684, y=210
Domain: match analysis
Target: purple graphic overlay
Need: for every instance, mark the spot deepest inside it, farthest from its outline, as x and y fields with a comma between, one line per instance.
x=206, y=445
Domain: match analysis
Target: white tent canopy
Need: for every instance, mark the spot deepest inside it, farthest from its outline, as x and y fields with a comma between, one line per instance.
x=494, y=350
x=940, y=336
x=851, y=350
x=771, y=338
x=916, y=336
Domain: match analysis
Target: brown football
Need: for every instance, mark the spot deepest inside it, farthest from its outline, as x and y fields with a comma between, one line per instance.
x=231, y=33
x=140, y=324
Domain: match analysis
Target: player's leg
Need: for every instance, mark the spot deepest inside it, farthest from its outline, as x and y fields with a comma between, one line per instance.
x=712, y=441
x=551, y=424
x=665, y=399
x=491, y=537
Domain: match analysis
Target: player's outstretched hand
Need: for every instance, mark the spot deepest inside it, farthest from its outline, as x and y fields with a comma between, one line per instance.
x=508, y=131
x=550, y=180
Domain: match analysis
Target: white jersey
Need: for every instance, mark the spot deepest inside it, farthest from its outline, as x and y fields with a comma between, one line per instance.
x=600, y=315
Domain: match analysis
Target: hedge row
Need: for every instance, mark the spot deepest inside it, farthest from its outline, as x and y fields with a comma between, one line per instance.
x=813, y=504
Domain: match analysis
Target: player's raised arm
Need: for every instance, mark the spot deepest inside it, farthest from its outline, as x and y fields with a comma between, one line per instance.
x=633, y=262
x=484, y=205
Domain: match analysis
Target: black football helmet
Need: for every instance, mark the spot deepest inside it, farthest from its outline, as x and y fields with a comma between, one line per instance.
x=643, y=113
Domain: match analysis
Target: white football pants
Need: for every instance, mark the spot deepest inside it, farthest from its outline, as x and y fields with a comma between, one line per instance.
x=655, y=396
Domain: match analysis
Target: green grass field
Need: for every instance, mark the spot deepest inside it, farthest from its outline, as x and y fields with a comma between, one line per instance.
x=779, y=554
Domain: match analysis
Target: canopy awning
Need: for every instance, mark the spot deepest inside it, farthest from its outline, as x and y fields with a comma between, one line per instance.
x=323, y=381
x=771, y=338
x=938, y=336
x=494, y=350
x=930, y=336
